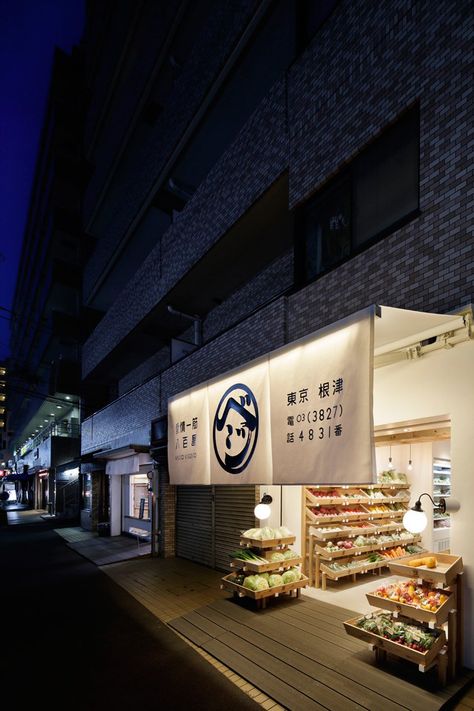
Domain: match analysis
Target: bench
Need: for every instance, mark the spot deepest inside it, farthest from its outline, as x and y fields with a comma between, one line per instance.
x=140, y=533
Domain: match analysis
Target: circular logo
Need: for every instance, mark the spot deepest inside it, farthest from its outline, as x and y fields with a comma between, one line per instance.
x=235, y=429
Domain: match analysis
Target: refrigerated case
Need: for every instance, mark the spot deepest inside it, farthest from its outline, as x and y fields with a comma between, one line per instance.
x=441, y=489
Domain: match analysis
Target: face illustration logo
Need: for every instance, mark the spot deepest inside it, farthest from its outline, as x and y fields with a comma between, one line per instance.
x=235, y=429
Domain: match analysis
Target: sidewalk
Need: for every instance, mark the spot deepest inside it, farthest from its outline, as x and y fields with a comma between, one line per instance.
x=173, y=588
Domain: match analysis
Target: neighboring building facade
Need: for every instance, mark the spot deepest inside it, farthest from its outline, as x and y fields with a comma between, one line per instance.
x=44, y=377
x=269, y=168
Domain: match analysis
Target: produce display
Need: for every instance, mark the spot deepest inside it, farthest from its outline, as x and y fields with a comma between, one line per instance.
x=366, y=519
x=267, y=533
x=409, y=592
x=265, y=570
x=414, y=636
x=429, y=562
x=390, y=476
x=362, y=541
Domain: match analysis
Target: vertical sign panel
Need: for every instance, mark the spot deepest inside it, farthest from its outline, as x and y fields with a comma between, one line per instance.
x=188, y=438
x=239, y=419
x=321, y=408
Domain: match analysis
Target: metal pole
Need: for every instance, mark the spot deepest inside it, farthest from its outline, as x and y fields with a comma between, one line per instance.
x=155, y=514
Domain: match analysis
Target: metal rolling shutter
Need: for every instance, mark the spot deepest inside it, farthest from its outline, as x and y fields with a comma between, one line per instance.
x=209, y=520
x=233, y=507
x=194, y=530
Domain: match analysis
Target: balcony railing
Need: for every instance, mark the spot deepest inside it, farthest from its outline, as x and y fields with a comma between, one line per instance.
x=64, y=428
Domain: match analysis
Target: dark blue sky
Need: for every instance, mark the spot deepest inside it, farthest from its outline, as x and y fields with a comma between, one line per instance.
x=29, y=31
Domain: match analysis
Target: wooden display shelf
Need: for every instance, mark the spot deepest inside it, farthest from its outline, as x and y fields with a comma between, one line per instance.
x=327, y=535
x=423, y=659
x=415, y=612
x=340, y=517
x=369, y=500
x=267, y=543
x=336, y=574
x=241, y=591
x=357, y=550
x=275, y=566
x=447, y=568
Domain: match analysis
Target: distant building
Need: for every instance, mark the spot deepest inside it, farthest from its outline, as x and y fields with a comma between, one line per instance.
x=44, y=377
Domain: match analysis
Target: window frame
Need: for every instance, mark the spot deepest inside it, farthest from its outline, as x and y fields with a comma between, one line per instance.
x=348, y=174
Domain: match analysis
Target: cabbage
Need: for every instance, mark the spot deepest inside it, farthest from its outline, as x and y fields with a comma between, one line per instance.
x=267, y=532
x=283, y=532
x=289, y=577
x=276, y=557
x=288, y=555
x=260, y=583
x=250, y=582
x=297, y=572
x=275, y=580
x=264, y=575
x=251, y=533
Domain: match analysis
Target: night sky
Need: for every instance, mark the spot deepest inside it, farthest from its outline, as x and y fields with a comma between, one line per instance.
x=29, y=30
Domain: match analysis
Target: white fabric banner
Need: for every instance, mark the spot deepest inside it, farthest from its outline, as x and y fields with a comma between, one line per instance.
x=321, y=414
x=188, y=438
x=301, y=416
x=239, y=413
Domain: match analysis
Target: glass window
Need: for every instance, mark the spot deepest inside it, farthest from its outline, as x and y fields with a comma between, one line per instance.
x=139, y=496
x=86, y=491
x=372, y=197
x=386, y=180
x=328, y=230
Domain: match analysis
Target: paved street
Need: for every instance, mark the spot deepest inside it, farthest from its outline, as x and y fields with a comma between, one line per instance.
x=73, y=639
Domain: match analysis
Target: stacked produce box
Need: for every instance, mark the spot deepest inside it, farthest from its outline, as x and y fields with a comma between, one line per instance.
x=265, y=566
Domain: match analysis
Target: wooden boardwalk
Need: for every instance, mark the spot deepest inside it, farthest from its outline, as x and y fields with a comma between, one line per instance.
x=298, y=653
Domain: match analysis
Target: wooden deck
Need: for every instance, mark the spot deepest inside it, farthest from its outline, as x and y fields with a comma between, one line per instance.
x=298, y=653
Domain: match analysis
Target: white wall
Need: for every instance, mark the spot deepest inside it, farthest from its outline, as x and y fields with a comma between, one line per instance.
x=441, y=384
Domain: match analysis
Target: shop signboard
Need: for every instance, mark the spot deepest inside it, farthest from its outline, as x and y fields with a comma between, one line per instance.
x=303, y=414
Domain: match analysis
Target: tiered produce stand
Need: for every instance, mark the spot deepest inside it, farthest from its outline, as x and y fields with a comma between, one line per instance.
x=262, y=550
x=420, y=620
x=351, y=530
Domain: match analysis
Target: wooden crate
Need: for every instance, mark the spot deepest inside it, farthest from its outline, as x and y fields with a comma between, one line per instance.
x=229, y=584
x=267, y=543
x=415, y=612
x=327, y=535
x=275, y=566
x=447, y=568
x=423, y=659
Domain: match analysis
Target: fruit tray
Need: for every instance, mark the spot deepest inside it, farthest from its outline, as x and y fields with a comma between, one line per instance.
x=415, y=611
x=446, y=571
x=423, y=659
x=229, y=584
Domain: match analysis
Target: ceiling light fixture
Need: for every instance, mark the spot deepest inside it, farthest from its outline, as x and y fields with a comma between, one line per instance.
x=410, y=465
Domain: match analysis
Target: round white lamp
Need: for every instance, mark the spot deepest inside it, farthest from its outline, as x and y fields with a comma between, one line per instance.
x=262, y=510
x=415, y=519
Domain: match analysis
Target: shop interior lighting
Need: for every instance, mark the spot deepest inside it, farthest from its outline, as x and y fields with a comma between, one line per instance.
x=410, y=464
x=415, y=519
x=390, y=463
x=262, y=510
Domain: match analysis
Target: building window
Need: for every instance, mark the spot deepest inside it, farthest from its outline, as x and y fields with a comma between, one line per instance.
x=371, y=198
x=138, y=496
x=86, y=491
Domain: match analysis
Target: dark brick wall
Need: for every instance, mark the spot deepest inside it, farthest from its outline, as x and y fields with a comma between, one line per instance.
x=390, y=54
x=250, y=166
x=130, y=187
x=393, y=54
x=125, y=421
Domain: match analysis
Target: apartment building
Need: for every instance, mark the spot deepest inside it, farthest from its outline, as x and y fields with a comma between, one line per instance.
x=44, y=373
x=260, y=170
